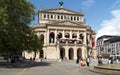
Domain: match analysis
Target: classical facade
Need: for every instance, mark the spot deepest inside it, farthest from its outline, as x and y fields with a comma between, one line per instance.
x=108, y=45
x=64, y=34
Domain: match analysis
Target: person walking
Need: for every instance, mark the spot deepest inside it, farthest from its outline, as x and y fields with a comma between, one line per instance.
x=83, y=62
x=100, y=61
x=88, y=61
x=78, y=61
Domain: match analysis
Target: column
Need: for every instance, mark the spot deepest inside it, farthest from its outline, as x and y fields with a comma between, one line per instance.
x=63, y=34
x=66, y=53
x=78, y=35
x=75, y=53
x=88, y=39
x=45, y=37
x=84, y=34
x=55, y=36
x=48, y=36
x=70, y=34
x=85, y=44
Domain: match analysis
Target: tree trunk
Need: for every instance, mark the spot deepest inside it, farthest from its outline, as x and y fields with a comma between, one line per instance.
x=34, y=56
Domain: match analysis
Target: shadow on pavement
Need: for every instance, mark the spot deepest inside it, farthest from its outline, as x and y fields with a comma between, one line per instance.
x=24, y=64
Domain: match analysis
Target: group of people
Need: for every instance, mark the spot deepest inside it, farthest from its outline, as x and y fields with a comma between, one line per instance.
x=112, y=60
x=83, y=62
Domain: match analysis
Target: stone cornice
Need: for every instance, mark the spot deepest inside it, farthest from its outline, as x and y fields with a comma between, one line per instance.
x=61, y=11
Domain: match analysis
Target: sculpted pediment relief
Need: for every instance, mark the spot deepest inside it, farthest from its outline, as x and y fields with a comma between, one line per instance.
x=66, y=23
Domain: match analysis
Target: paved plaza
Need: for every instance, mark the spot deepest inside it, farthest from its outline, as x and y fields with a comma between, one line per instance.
x=50, y=68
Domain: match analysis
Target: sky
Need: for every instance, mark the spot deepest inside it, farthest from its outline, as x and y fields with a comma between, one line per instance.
x=103, y=16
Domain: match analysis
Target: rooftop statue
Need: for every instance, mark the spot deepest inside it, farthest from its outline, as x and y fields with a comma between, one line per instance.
x=61, y=3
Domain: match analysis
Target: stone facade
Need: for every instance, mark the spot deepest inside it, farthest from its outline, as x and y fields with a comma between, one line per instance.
x=65, y=34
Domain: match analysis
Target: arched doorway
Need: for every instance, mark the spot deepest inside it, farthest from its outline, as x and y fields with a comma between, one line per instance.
x=62, y=53
x=41, y=54
x=79, y=52
x=71, y=53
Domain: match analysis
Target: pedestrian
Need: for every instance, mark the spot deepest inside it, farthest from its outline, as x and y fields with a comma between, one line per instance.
x=77, y=61
x=88, y=61
x=100, y=61
x=83, y=62
x=109, y=60
x=112, y=60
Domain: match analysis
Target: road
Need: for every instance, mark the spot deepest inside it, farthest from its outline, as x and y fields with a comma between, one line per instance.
x=49, y=68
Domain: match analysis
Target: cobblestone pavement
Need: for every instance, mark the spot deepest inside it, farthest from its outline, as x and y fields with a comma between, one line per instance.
x=51, y=68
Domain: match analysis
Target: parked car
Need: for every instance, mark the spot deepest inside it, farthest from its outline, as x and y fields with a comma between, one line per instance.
x=16, y=58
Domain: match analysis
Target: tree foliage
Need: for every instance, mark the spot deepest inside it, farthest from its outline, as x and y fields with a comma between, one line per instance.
x=35, y=44
x=15, y=17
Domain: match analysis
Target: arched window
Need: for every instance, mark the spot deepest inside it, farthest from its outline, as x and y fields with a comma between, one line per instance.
x=51, y=37
x=81, y=36
x=59, y=35
x=67, y=35
x=42, y=38
x=74, y=35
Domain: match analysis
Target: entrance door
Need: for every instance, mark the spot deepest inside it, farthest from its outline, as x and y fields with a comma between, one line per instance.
x=71, y=53
x=79, y=53
x=62, y=53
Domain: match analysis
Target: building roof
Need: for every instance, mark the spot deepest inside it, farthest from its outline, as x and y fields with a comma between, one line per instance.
x=61, y=11
x=107, y=36
x=113, y=39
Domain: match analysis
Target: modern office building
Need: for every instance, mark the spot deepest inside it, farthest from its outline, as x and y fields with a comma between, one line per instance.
x=64, y=33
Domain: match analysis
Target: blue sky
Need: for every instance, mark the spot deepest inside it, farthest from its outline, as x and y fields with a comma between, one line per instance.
x=101, y=15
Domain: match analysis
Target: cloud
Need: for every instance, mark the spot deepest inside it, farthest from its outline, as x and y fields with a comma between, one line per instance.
x=111, y=26
x=87, y=3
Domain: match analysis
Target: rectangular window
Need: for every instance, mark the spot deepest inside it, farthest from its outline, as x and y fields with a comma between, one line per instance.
x=51, y=16
x=58, y=17
x=77, y=18
x=61, y=17
x=44, y=16
x=71, y=18
x=74, y=18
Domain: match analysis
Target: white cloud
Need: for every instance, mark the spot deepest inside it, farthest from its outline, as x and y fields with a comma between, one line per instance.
x=87, y=3
x=111, y=26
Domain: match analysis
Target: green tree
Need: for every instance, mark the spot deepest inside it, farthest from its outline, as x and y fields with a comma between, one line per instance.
x=35, y=44
x=15, y=17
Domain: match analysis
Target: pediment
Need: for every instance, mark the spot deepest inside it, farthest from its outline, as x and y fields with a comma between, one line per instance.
x=68, y=23
x=61, y=10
